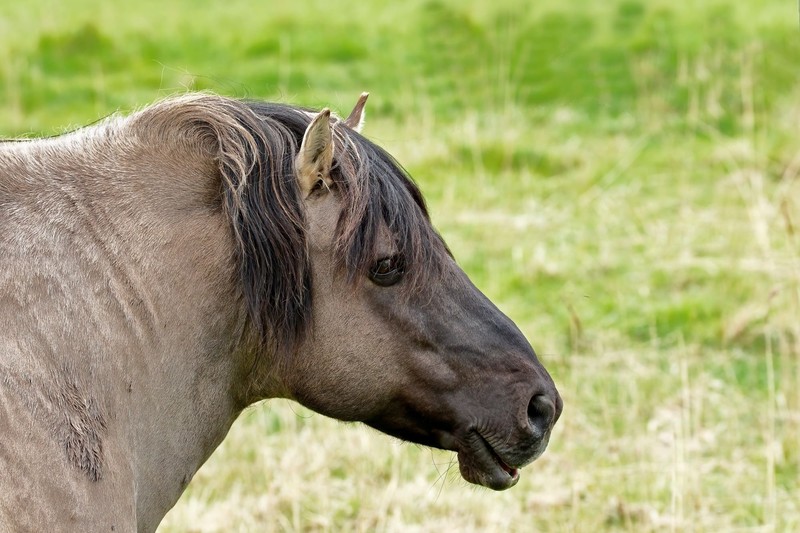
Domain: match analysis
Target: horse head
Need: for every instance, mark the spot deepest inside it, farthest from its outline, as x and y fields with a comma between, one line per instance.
x=400, y=339
x=163, y=271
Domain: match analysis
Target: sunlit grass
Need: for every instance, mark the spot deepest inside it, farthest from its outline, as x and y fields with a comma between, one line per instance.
x=622, y=178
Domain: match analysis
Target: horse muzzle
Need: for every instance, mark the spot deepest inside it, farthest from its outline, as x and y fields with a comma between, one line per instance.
x=493, y=459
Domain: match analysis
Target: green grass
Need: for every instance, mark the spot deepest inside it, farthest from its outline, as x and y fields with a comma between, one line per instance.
x=622, y=178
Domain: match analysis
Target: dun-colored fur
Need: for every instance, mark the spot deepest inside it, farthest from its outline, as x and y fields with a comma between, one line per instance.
x=162, y=271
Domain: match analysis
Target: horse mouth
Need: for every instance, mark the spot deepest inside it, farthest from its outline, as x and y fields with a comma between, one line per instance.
x=480, y=464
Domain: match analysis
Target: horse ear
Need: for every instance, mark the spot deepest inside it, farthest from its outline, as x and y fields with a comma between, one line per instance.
x=316, y=153
x=355, y=121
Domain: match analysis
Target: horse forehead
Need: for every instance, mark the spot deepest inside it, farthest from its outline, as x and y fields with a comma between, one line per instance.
x=323, y=216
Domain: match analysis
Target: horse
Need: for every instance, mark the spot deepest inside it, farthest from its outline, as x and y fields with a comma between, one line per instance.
x=165, y=269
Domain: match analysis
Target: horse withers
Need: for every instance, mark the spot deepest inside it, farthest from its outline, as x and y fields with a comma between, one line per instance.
x=162, y=271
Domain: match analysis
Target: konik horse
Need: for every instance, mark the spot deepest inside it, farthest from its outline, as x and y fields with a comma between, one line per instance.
x=162, y=271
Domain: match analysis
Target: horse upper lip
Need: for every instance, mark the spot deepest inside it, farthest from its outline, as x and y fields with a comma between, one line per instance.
x=496, y=454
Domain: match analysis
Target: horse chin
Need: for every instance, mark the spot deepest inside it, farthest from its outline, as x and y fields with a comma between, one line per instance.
x=478, y=462
x=481, y=465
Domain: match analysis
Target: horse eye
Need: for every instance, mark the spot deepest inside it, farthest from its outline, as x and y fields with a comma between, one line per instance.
x=387, y=271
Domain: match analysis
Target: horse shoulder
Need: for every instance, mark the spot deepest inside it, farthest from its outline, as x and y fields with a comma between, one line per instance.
x=43, y=490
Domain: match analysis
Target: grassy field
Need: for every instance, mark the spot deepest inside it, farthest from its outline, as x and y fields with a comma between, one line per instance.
x=621, y=177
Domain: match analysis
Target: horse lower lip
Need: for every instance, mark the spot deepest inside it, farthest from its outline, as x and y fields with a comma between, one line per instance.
x=483, y=466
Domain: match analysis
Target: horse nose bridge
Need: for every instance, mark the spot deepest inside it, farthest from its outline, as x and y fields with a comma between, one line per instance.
x=469, y=312
x=530, y=401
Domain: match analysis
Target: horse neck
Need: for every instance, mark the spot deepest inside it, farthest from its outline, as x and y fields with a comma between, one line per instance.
x=135, y=304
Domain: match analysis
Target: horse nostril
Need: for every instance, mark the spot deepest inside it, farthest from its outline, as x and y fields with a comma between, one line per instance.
x=541, y=413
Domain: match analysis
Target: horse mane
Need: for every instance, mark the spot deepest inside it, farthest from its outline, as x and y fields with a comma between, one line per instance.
x=254, y=145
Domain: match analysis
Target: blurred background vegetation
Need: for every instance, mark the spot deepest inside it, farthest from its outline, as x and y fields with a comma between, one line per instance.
x=621, y=177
